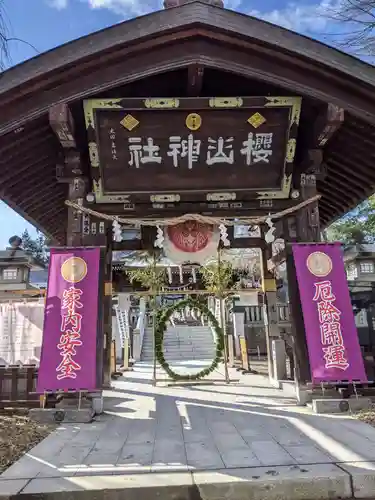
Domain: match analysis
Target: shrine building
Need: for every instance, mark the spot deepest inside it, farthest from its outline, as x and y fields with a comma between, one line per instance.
x=193, y=109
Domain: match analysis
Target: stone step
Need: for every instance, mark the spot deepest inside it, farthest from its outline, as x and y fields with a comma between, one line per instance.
x=185, y=355
x=174, y=358
x=206, y=345
x=183, y=341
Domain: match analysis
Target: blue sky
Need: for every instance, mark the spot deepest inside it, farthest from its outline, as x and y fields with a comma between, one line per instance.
x=45, y=24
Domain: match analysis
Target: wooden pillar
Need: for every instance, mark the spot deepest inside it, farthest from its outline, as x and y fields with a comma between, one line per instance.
x=98, y=233
x=270, y=304
x=302, y=228
x=77, y=191
x=107, y=310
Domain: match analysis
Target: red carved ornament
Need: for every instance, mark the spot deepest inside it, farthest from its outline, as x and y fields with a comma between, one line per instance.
x=190, y=236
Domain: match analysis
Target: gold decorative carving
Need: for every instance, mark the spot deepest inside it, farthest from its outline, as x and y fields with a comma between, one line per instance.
x=129, y=122
x=165, y=198
x=221, y=196
x=269, y=195
x=97, y=187
x=94, y=154
x=277, y=195
x=287, y=182
x=108, y=198
x=225, y=102
x=293, y=102
x=193, y=121
x=91, y=104
x=290, y=150
x=162, y=103
x=256, y=120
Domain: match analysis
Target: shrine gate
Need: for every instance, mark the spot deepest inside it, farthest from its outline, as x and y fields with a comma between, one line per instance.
x=193, y=109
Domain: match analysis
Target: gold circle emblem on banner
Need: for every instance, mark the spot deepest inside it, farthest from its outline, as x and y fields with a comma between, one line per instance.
x=74, y=269
x=319, y=264
x=193, y=121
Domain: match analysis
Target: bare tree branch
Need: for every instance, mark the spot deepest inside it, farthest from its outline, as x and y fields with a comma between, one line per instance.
x=4, y=49
x=355, y=23
x=5, y=39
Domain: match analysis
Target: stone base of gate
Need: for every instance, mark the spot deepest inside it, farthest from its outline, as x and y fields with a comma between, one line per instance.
x=59, y=416
x=328, y=405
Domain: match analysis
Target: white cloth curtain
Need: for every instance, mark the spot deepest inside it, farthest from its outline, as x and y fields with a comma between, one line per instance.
x=21, y=331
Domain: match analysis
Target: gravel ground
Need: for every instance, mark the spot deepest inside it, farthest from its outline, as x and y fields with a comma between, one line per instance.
x=17, y=435
x=367, y=416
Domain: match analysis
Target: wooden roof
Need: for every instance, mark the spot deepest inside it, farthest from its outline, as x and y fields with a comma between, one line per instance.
x=127, y=59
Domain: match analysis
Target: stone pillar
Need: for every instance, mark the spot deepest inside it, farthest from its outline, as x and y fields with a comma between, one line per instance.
x=124, y=304
x=238, y=328
x=279, y=359
x=270, y=305
x=238, y=322
x=138, y=331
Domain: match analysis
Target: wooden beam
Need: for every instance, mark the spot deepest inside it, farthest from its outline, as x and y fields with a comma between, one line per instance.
x=332, y=200
x=42, y=174
x=349, y=166
x=345, y=173
x=40, y=162
x=326, y=125
x=357, y=152
x=149, y=235
x=343, y=185
x=50, y=200
x=41, y=188
x=359, y=164
x=24, y=138
x=195, y=80
x=62, y=124
x=228, y=209
x=38, y=145
x=54, y=215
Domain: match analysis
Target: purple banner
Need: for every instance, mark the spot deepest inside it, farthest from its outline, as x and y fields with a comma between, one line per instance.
x=331, y=334
x=68, y=358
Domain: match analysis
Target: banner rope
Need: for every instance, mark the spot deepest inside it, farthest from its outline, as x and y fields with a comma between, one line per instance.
x=203, y=219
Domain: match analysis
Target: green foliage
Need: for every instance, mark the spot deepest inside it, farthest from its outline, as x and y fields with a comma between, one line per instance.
x=217, y=277
x=150, y=276
x=37, y=247
x=357, y=227
x=162, y=318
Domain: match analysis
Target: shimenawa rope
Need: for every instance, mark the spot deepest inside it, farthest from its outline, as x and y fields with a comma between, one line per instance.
x=203, y=219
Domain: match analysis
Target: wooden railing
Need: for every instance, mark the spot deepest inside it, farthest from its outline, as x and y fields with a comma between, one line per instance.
x=18, y=386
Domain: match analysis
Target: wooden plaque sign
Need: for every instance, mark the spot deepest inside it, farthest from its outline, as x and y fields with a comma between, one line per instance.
x=192, y=145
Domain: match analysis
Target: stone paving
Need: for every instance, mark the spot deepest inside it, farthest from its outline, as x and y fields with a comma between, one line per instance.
x=244, y=425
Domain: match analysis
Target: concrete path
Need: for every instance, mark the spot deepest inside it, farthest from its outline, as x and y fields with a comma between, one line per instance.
x=243, y=440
